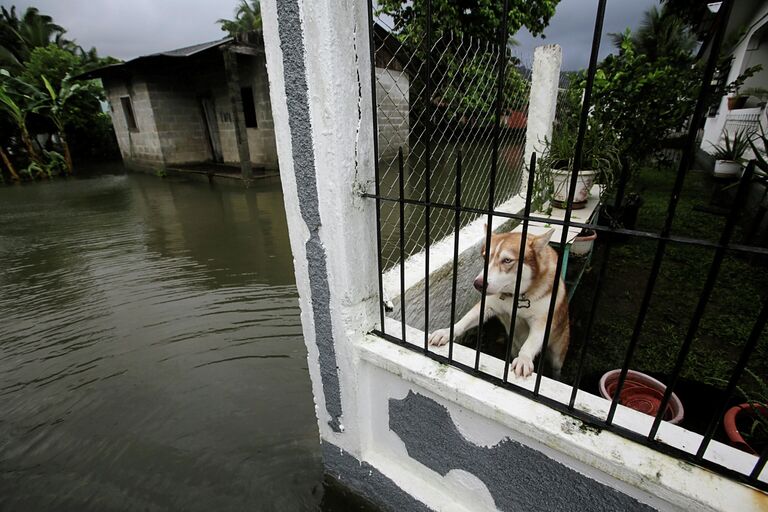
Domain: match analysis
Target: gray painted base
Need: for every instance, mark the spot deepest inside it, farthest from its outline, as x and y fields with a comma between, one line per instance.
x=366, y=481
x=297, y=101
x=518, y=477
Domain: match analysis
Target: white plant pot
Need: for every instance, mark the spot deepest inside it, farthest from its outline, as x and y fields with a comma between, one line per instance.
x=562, y=183
x=582, y=245
x=727, y=169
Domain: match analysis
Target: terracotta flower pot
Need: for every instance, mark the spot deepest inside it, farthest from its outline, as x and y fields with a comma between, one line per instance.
x=736, y=102
x=641, y=393
x=732, y=430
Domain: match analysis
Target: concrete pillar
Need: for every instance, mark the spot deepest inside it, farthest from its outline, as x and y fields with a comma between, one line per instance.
x=236, y=101
x=318, y=66
x=542, y=105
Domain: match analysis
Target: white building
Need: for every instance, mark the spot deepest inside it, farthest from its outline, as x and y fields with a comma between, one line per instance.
x=747, y=38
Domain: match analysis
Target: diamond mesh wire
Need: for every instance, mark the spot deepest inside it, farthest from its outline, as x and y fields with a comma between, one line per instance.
x=463, y=91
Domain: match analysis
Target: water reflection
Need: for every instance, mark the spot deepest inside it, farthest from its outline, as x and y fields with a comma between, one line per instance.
x=150, y=350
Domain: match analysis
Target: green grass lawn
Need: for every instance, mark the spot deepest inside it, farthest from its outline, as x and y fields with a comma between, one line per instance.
x=729, y=315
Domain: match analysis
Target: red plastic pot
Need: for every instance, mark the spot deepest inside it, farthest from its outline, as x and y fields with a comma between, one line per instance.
x=732, y=431
x=642, y=393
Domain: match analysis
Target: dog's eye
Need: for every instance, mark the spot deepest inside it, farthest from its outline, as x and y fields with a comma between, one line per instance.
x=507, y=261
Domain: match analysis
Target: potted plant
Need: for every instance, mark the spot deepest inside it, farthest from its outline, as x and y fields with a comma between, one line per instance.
x=600, y=158
x=746, y=424
x=737, y=99
x=729, y=155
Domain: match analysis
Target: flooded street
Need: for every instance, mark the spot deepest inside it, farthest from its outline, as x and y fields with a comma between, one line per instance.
x=151, y=355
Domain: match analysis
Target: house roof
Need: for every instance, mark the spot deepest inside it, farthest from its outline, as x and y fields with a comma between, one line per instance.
x=179, y=53
x=188, y=51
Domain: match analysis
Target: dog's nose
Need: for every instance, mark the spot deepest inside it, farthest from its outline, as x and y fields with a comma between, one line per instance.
x=479, y=285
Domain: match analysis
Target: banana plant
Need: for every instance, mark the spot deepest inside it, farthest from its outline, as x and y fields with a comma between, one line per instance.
x=56, y=108
x=18, y=103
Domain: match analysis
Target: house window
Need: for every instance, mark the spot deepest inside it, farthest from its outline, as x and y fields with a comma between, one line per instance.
x=249, y=108
x=130, y=118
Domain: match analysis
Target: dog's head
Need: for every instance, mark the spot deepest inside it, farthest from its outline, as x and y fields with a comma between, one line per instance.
x=504, y=258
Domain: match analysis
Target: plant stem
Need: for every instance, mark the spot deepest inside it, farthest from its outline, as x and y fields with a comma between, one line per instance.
x=67, y=154
x=14, y=175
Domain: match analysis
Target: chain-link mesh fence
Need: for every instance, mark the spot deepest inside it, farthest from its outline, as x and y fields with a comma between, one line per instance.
x=461, y=109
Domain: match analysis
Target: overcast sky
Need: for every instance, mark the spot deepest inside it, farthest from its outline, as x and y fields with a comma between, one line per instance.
x=127, y=29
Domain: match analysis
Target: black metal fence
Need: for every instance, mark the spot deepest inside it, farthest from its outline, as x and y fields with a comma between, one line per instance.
x=662, y=239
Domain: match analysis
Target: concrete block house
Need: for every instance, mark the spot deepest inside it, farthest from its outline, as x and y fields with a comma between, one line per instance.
x=393, y=83
x=205, y=108
x=207, y=103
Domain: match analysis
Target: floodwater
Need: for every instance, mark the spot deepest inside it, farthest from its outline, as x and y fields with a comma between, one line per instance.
x=151, y=355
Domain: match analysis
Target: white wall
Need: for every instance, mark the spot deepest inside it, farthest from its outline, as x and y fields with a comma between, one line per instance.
x=754, y=15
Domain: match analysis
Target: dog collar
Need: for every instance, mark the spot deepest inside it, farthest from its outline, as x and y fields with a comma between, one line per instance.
x=522, y=302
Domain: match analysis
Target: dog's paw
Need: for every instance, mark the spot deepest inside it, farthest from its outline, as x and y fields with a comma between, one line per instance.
x=522, y=366
x=439, y=337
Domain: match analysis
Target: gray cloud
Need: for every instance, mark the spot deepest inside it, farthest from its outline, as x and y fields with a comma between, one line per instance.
x=138, y=27
x=127, y=29
x=574, y=22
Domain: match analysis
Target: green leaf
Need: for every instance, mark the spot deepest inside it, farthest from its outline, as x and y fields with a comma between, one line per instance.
x=49, y=87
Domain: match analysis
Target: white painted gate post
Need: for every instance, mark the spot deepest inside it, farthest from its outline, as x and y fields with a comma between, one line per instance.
x=318, y=65
x=542, y=105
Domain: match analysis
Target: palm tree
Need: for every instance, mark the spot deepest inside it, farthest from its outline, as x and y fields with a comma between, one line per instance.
x=247, y=19
x=19, y=36
x=662, y=34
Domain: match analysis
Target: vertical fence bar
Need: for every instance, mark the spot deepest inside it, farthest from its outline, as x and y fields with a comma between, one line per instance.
x=377, y=175
x=456, y=228
x=706, y=293
x=428, y=168
x=401, y=180
x=578, y=152
x=502, y=48
x=738, y=370
x=685, y=161
x=759, y=465
x=590, y=323
x=520, y=264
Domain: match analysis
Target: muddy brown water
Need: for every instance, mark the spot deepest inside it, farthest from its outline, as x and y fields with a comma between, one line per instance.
x=151, y=355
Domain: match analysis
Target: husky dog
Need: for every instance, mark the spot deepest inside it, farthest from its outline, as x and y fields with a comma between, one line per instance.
x=533, y=304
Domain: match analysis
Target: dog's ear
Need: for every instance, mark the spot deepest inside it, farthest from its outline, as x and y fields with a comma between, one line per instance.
x=541, y=241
